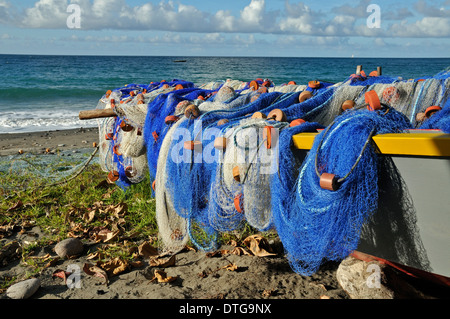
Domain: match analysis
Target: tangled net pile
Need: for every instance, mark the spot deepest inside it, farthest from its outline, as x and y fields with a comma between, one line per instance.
x=221, y=155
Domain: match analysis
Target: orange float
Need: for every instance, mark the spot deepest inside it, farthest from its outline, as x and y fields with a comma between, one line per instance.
x=328, y=181
x=113, y=176
x=266, y=83
x=277, y=115
x=314, y=84
x=254, y=85
x=297, y=122
x=347, y=105
x=259, y=115
x=236, y=174
x=182, y=104
x=267, y=136
x=239, y=203
x=170, y=119
x=126, y=127
x=372, y=100
x=305, y=95
x=193, y=145
x=192, y=111
x=420, y=117
x=431, y=110
x=220, y=143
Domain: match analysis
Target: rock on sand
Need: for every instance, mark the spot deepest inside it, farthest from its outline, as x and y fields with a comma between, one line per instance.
x=69, y=247
x=24, y=289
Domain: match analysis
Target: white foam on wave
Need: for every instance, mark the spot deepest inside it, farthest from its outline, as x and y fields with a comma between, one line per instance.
x=43, y=120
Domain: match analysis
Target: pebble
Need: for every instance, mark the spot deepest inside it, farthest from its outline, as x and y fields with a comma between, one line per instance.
x=69, y=247
x=24, y=289
x=61, y=145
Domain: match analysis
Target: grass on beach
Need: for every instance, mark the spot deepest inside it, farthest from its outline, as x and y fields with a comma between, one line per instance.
x=87, y=207
x=59, y=209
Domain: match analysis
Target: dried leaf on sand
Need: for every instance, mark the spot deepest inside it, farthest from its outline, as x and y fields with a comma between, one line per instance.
x=105, y=235
x=95, y=271
x=162, y=262
x=89, y=216
x=161, y=277
x=258, y=245
x=231, y=267
x=146, y=250
x=114, y=266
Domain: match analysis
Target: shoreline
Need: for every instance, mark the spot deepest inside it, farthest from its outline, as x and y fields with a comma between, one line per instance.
x=39, y=142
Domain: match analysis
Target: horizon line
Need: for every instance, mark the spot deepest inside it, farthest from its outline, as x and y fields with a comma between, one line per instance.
x=220, y=56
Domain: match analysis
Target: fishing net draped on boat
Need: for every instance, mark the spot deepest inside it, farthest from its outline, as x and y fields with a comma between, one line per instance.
x=221, y=156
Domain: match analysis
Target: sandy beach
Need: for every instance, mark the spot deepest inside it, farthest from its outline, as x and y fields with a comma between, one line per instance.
x=198, y=276
x=39, y=142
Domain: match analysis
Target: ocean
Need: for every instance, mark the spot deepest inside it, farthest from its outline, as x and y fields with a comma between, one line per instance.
x=41, y=93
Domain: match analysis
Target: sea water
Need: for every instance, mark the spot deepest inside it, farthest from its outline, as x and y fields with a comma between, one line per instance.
x=41, y=93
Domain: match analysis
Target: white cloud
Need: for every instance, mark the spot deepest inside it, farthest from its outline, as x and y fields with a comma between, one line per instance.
x=424, y=28
x=294, y=19
x=252, y=14
x=49, y=14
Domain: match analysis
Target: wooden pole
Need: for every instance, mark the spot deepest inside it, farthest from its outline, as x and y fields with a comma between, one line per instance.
x=95, y=114
x=358, y=69
x=379, y=70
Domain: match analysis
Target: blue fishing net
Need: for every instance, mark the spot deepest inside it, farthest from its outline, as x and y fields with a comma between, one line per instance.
x=321, y=224
x=439, y=120
x=155, y=127
x=314, y=224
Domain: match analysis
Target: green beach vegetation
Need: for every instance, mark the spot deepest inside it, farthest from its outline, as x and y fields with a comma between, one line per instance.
x=118, y=226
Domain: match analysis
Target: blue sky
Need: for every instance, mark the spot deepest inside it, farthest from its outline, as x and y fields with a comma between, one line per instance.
x=326, y=28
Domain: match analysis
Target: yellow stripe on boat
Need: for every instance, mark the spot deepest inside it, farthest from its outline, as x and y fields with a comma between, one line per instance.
x=304, y=141
x=415, y=144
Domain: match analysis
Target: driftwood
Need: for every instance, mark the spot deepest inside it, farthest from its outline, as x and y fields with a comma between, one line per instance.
x=95, y=114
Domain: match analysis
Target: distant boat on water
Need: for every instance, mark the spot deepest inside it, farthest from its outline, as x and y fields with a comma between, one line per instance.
x=178, y=61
